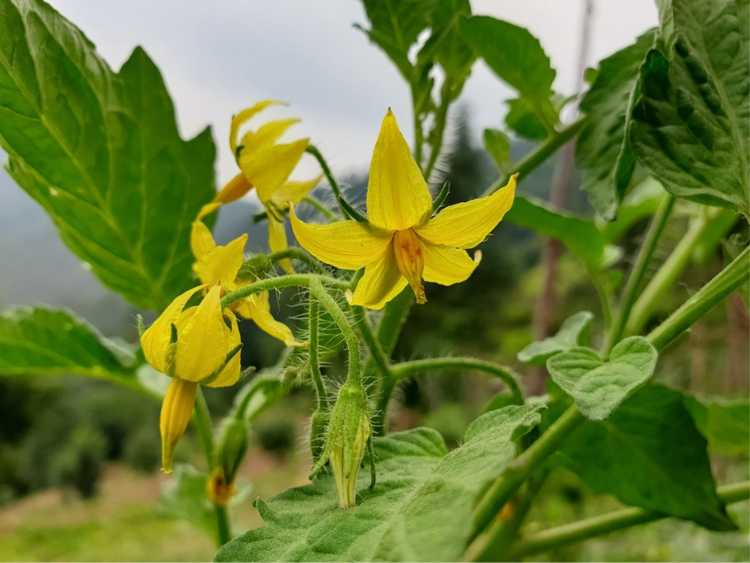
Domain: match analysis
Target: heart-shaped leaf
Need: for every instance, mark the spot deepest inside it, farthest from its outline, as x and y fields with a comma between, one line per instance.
x=598, y=386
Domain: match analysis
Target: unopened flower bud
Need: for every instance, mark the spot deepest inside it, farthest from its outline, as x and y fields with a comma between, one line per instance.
x=176, y=411
x=257, y=267
x=232, y=446
x=346, y=441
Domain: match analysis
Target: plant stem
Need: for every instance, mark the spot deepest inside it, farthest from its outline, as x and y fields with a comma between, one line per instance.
x=281, y=282
x=202, y=420
x=346, y=209
x=666, y=276
x=630, y=292
x=440, y=120
x=720, y=286
x=414, y=367
x=373, y=344
x=540, y=154
x=318, y=205
x=606, y=523
x=315, y=375
x=505, y=486
x=352, y=343
x=296, y=253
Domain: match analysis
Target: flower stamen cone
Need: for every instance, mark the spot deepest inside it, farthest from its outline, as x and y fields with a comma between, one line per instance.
x=176, y=411
x=410, y=260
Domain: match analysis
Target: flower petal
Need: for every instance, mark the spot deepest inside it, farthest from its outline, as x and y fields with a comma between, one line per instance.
x=233, y=190
x=381, y=283
x=231, y=372
x=267, y=169
x=201, y=339
x=176, y=411
x=267, y=134
x=201, y=240
x=447, y=266
x=397, y=194
x=259, y=310
x=155, y=340
x=221, y=264
x=239, y=119
x=345, y=244
x=465, y=225
x=293, y=192
x=277, y=241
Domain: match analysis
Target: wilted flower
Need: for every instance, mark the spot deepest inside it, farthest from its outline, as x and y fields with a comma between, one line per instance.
x=402, y=243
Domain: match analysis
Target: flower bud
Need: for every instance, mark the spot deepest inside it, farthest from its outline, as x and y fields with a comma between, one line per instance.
x=348, y=433
x=232, y=446
x=176, y=410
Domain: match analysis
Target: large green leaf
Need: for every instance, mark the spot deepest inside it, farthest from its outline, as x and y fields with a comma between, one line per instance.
x=572, y=333
x=724, y=422
x=580, y=236
x=602, y=149
x=38, y=341
x=516, y=57
x=420, y=509
x=650, y=454
x=599, y=386
x=100, y=151
x=690, y=124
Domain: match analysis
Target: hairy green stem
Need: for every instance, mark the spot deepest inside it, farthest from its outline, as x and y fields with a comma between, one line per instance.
x=296, y=253
x=317, y=378
x=280, y=282
x=720, y=286
x=606, y=523
x=440, y=121
x=373, y=344
x=202, y=420
x=339, y=317
x=540, y=154
x=320, y=207
x=633, y=284
x=345, y=207
x=414, y=367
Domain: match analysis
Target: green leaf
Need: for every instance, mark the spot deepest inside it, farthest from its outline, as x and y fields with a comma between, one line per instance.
x=640, y=202
x=602, y=150
x=420, y=509
x=650, y=454
x=691, y=120
x=100, y=151
x=518, y=58
x=572, y=333
x=522, y=120
x=38, y=341
x=579, y=236
x=497, y=144
x=724, y=422
x=599, y=386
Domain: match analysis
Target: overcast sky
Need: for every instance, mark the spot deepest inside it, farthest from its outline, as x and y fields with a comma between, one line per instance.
x=217, y=57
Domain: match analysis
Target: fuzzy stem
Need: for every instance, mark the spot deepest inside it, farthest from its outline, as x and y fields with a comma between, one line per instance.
x=606, y=523
x=373, y=344
x=408, y=369
x=317, y=204
x=315, y=375
x=296, y=253
x=352, y=343
x=345, y=207
x=279, y=282
x=630, y=293
x=440, y=120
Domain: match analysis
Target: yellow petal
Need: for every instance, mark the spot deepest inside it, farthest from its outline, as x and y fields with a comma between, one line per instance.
x=381, y=283
x=221, y=264
x=201, y=339
x=231, y=372
x=259, y=309
x=277, y=241
x=293, y=192
x=242, y=117
x=447, y=266
x=267, y=134
x=465, y=225
x=397, y=194
x=201, y=240
x=268, y=169
x=208, y=209
x=233, y=190
x=345, y=244
x=155, y=340
x=176, y=411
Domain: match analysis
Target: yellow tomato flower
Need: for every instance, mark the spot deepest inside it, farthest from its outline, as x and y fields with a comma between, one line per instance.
x=220, y=264
x=265, y=165
x=402, y=243
x=197, y=344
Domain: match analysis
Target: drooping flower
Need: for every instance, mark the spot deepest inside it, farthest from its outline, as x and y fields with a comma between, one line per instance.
x=402, y=242
x=194, y=345
x=265, y=165
x=220, y=264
